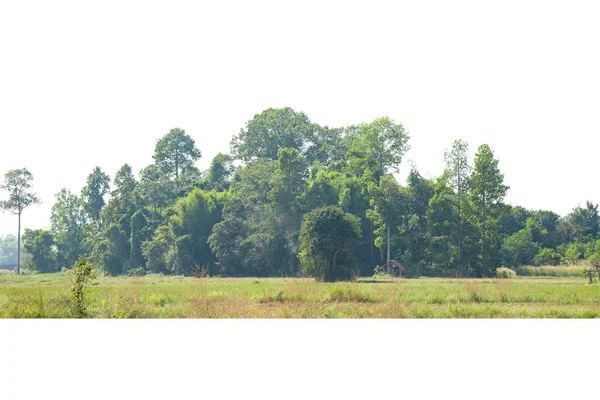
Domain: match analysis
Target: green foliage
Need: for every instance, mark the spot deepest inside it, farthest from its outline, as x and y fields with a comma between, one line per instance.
x=39, y=244
x=8, y=250
x=81, y=276
x=17, y=183
x=546, y=256
x=377, y=148
x=98, y=185
x=271, y=130
x=69, y=223
x=175, y=154
x=325, y=233
x=503, y=272
x=519, y=249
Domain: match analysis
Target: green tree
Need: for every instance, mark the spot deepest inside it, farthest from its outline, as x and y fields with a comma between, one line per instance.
x=519, y=249
x=160, y=252
x=390, y=205
x=40, y=245
x=192, y=223
x=377, y=148
x=8, y=250
x=18, y=182
x=458, y=170
x=271, y=130
x=585, y=222
x=289, y=178
x=176, y=153
x=220, y=172
x=98, y=185
x=68, y=220
x=487, y=192
x=325, y=233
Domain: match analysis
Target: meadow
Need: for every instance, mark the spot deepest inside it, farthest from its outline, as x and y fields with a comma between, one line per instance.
x=157, y=296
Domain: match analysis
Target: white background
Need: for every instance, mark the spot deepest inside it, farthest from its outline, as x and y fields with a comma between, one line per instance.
x=85, y=84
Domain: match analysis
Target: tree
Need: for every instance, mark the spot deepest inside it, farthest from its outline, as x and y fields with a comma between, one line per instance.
x=586, y=222
x=176, y=153
x=325, y=233
x=40, y=245
x=8, y=250
x=220, y=171
x=390, y=205
x=377, y=148
x=17, y=183
x=289, y=178
x=271, y=130
x=98, y=185
x=487, y=192
x=519, y=249
x=458, y=170
x=68, y=220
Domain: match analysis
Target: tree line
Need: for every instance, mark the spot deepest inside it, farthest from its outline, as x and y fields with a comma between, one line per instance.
x=296, y=198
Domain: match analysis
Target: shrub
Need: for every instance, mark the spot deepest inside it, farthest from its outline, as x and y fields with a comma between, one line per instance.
x=81, y=277
x=503, y=272
x=546, y=256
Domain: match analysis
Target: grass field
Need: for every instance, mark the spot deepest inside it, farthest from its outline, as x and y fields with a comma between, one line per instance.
x=47, y=296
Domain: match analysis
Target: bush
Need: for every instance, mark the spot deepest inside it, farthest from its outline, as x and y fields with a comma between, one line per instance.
x=81, y=277
x=503, y=272
x=546, y=256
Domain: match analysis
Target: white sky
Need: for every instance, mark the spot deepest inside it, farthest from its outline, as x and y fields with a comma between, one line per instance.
x=85, y=84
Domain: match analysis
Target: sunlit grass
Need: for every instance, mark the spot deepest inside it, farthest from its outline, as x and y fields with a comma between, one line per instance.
x=157, y=296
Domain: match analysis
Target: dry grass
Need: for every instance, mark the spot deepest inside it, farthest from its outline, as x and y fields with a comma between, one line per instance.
x=46, y=296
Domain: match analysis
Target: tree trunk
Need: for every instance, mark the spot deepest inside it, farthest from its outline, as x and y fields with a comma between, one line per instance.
x=590, y=275
x=18, y=271
x=388, y=251
x=334, y=260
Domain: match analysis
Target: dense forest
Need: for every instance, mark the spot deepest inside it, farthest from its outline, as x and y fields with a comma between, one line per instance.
x=295, y=198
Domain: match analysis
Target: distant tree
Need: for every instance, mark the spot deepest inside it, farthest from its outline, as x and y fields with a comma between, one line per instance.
x=17, y=183
x=192, y=223
x=40, y=245
x=546, y=256
x=68, y=220
x=160, y=253
x=458, y=170
x=98, y=185
x=390, y=204
x=271, y=130
x=176, y=153
x=519, y=249
x=325, y=233
x=8, y=250
x=585, y=221
x=377, y=148
x=442, y=223
x=487, y=192
x=220, y=172
x=289, y=178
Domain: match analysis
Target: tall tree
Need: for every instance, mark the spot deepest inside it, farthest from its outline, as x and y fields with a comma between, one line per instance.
x=68, y=221
x=18, y=182
x=458, y=170
x=586, y=222
x=220, y=171
x=377, y=148
x=98, y=185
x=487, y=192
x=271, y=130
x=176, y=153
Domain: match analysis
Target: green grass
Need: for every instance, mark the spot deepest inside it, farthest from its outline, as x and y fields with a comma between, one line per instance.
x=156, y=296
